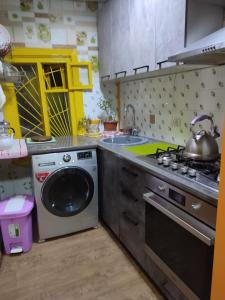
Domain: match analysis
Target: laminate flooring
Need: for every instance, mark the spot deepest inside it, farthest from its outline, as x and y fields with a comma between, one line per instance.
x=90, y=265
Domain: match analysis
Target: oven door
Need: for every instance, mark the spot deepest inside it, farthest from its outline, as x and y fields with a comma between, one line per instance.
x=180, y=245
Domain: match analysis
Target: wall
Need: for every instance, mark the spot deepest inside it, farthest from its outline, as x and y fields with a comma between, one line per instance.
x=174, y=100
x=50, y=24
x=56, y=24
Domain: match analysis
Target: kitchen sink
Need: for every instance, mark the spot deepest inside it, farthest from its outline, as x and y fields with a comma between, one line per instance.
x=125, y=140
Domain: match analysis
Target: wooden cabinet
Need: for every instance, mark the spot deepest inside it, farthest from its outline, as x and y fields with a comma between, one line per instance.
x=126, y=30
x=132, y=210
x=105, y=40
x=179, y=24
x=170, y=24
x=109, y=190
x=121, y=47
x=136, y=33
x=142, y=34
x=122, y=208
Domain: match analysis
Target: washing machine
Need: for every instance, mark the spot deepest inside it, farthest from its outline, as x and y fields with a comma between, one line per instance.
x=66, y=192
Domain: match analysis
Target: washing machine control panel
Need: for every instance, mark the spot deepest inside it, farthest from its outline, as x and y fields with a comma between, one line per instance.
x=66, y=157
x=84, y=155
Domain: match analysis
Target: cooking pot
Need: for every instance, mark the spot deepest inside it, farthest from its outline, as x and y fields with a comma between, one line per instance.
x=202, y=145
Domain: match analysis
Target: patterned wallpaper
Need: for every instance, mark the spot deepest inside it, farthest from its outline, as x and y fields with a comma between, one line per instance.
x=50, y=24
x=57, y=24
x=15, y=177
x=173, y=101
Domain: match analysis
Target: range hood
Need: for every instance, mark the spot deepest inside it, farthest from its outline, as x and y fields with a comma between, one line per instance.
x=209, y=50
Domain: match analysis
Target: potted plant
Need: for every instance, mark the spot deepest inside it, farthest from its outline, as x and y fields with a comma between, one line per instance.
x=108, y=115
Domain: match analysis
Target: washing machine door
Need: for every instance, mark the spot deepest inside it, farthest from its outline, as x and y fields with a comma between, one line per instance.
x=67, y=191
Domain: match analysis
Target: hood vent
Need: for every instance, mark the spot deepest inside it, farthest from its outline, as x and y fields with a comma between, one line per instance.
x=209, y=50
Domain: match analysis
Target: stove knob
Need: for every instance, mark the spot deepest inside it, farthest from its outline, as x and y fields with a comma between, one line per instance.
x=184, y=170
x=192, y=172
x=66, y=157
x=166, y=163
x=174, y=166
x=159, y=160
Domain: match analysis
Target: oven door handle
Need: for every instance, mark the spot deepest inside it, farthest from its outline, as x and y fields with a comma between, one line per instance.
x=154, y=200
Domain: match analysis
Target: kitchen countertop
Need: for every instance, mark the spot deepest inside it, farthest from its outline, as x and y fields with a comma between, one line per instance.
x=189, y=186
x=71, y=143
x=63, y=143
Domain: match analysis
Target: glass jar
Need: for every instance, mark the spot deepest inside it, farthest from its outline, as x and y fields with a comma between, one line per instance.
x=93, y=127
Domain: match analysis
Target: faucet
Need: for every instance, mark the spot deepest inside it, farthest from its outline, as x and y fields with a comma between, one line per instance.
x=134, y=130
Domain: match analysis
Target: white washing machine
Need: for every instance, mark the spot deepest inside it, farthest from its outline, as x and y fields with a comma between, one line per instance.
x=66, y=192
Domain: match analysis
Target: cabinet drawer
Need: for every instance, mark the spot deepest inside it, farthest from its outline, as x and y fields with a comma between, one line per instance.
x=131, y=176
x=132, y=234
x=132, y=191
x=132, y=202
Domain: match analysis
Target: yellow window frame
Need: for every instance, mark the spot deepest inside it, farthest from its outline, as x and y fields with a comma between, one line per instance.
x=39, y=57
x=74, y=82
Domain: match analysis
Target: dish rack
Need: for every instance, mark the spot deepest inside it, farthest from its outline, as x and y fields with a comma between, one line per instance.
x=9, y=73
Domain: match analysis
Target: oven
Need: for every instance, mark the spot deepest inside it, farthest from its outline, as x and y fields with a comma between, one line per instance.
x=180, y=237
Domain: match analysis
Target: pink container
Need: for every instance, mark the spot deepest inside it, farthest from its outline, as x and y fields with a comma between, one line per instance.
x=16, y=223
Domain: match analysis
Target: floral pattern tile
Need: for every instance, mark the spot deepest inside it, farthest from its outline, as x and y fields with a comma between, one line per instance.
x=41, y=6
x=174, y=100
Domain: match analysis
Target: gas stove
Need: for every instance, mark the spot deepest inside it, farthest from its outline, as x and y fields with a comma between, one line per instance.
x=173, y=161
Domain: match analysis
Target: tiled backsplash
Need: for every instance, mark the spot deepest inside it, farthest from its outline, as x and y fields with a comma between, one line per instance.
x=50, y=24
x=15, y=177
x=174, y=101
x=57, y=24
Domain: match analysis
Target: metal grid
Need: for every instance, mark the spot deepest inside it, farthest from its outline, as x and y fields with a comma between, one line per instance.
x=30, y=104
x=59, y=117
x=28, y=100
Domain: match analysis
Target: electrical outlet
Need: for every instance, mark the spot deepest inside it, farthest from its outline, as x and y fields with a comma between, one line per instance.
x=152, y=119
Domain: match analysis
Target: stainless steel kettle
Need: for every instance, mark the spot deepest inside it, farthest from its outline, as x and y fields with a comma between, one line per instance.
x=202, y=145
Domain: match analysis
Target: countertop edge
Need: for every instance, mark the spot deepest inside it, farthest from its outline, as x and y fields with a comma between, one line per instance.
x=65, y=144
x=192, y=188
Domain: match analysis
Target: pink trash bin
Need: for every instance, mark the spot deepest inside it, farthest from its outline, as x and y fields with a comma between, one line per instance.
x=16, y=223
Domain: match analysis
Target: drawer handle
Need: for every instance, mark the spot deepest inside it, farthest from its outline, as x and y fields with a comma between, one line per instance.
x=129, y=172
x=161, y=62
x=105, y=77
x=130, y=219
x=196, y=206
x=162, y=188
x=135, y=69
x=129, y=195
x=122, y=72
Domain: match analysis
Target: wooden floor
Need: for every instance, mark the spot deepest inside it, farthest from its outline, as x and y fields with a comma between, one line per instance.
x=84, y=266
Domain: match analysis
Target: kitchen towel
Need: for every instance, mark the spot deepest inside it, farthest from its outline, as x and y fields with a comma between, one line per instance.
x=147, y=149
x=18, y=149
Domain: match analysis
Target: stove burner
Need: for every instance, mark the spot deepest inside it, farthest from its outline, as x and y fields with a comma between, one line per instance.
x=202, y=172
x=167, y=152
